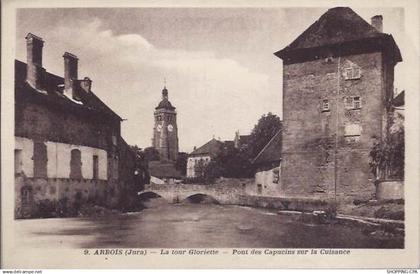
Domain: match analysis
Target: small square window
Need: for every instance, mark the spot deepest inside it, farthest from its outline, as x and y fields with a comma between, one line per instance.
x=325, y=105
x=353, y=102
x=352, y=73
x=357, y=103
x=349, y=73
x=348, y=102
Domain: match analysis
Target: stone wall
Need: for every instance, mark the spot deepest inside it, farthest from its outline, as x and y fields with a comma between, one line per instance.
x=232, y=191
x=59, y=159
x=57, y=124
x=390, y=190
x=282, y=203
x=225, y=191
x=46, y=137
x=310, y=132
x=30, y=193
x=266, y=183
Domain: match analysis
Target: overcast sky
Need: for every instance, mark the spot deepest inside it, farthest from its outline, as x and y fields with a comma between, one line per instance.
x=219, y=64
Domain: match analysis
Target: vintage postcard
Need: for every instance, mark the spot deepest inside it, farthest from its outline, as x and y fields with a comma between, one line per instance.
x=198, y=134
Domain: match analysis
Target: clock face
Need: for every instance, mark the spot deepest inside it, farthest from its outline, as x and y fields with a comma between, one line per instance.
x=170, y=127
x=159, y=127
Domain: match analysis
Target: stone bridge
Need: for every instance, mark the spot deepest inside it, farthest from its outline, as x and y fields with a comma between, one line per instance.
x=224, y=193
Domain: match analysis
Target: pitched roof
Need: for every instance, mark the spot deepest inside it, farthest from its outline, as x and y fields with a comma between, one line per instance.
x=271, y=152
x=337, y=26
x=50, y=93
x=165, y=104
x=212, y=148
x=163, y=170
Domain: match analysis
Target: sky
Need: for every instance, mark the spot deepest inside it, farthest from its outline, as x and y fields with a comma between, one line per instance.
x=218, y=62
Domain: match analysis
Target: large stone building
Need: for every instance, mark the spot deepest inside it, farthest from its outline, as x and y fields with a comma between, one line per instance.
x=165, y=131
x=337, y=87
x=68, y=147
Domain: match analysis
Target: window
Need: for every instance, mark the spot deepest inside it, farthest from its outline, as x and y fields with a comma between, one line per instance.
x=115, y=168
x=352, y=73
x=114, y=140
x=357, y=103
x=26, y=195
x=18, y=161
x=353, y=102
x=325, y=105
x=95, y=167
x=276, y=175
x=259, y=189
x=76, y=164
x=40, y=160
x=348, y=102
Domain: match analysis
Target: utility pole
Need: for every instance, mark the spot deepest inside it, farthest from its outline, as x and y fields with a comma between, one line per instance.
x=336, y=130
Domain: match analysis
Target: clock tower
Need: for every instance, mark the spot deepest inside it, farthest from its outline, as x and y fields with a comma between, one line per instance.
x=165, y=131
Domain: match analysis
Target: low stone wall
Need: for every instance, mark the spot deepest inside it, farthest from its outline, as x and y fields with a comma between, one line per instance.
x=283, y=203
x=36, y=197
x=390, y=190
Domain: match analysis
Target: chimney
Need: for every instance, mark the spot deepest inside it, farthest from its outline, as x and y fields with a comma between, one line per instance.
x=376, y=22
x=34, y=70
x=70, y=75
x=86, y=84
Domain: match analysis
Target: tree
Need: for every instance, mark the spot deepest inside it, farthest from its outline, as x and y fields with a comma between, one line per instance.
x=387, y=157
x=151, y=154
x=141, y=170
x=268, y=125
x=213, y=170
x=236, y=163
x=231, y=163
x=181, y=162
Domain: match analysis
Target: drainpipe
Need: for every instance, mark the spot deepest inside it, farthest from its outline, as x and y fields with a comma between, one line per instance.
x=336, y=131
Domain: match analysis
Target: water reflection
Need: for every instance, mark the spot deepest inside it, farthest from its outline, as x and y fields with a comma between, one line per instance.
x=196, y=222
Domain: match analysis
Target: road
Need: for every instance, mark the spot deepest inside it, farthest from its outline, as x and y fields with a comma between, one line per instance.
x=194, y=225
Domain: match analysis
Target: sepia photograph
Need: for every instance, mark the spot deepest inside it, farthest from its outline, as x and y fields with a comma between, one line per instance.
x=188, y=130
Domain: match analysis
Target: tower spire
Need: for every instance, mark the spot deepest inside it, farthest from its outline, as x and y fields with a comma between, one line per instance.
x=164, y=90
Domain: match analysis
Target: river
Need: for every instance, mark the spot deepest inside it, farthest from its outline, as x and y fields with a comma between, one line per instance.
x=194, y=225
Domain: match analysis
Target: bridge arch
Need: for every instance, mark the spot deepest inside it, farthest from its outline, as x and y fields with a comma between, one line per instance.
x=146, y=195
x=201, y=198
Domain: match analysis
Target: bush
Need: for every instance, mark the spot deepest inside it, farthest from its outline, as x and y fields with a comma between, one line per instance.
x=387, y=157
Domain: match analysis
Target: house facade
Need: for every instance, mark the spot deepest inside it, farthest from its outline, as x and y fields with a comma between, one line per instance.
x=201, y=157
x=68, y=146
x=267, y=166
x=337, y=89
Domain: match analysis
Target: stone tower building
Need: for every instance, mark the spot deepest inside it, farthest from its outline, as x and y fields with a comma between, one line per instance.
x=337, y=87
x=165, y=131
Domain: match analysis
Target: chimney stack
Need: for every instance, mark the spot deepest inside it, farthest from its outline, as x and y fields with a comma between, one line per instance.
x=34, y=70
x=376, y=22
x=86, y=84
x=70, y=75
